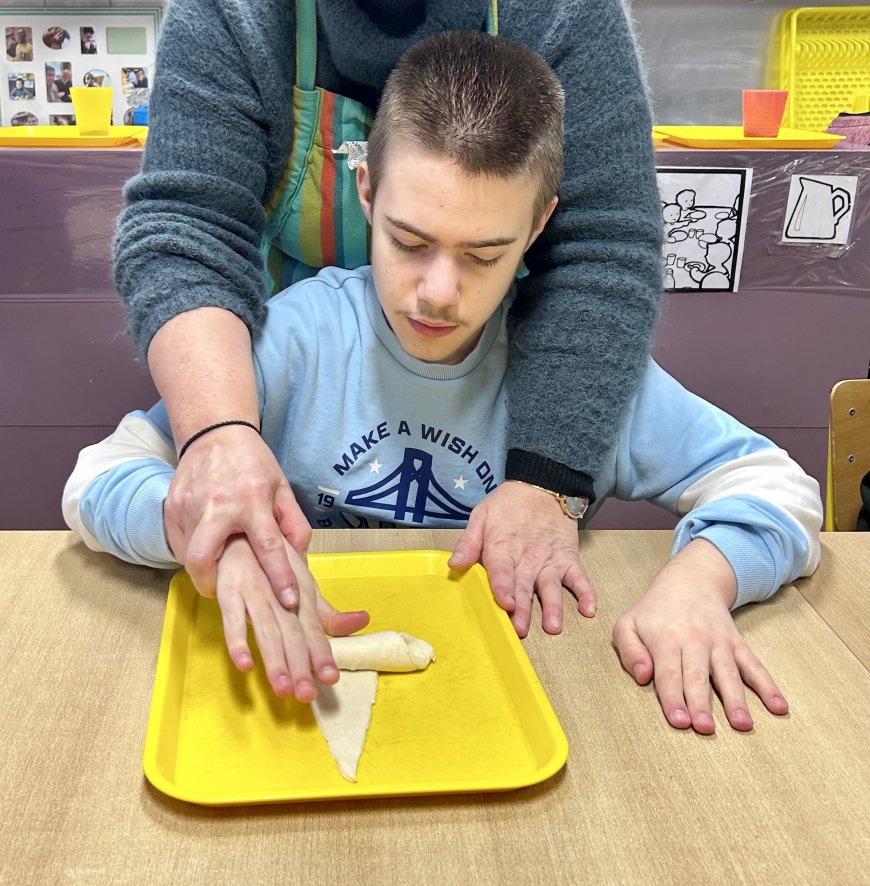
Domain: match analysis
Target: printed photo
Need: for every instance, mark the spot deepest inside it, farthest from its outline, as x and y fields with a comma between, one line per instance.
x=56, y=38
x=19, y=44
x=61, y=120
x=65, y=81
x=88, y=40
x=134, y=78
x=22, y=86
x=97, y=77
x=24, y=118
x=58, y=81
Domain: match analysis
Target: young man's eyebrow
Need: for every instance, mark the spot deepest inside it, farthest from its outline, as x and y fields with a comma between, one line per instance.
x=427, y=238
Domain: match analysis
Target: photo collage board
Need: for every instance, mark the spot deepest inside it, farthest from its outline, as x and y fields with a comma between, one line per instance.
x=47, y=51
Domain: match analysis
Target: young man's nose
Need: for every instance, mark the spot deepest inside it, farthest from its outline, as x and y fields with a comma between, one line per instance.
x=439, y=285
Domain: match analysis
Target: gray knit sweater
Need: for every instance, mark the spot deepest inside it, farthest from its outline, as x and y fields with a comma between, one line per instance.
x=221, y=129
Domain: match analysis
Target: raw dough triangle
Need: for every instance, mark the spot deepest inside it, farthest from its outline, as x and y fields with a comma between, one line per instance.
x=343, y=712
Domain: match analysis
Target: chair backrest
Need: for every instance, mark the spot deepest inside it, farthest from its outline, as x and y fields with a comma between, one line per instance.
x=849, y=451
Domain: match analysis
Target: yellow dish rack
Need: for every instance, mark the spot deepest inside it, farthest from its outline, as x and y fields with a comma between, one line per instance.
x=824, y=63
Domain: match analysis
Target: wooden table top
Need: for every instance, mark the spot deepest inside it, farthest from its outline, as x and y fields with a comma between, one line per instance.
x=638, y=802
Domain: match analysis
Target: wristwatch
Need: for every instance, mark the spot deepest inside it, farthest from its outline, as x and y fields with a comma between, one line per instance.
x=573, y=506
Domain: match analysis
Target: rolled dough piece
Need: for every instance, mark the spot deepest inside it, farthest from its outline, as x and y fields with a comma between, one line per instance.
x=381, y=651
x=343, y=712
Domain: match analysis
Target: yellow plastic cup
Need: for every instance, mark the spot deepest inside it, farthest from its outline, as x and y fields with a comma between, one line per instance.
x=762, y=112
x=93, y=109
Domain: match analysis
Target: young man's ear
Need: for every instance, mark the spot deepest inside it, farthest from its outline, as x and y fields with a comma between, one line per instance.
x=364, y=189
x=542, y=222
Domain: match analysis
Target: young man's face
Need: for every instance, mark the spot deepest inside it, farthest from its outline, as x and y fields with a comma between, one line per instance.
x=445, y=248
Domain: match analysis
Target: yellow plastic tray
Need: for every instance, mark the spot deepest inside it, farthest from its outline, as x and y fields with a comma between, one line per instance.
x=733, y=137
x=824, y=60
x=68, y=137
x=476, y=720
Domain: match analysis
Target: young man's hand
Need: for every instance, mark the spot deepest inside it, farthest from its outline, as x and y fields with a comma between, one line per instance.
x=526, y=545
x=292, y=643
x=682, y=635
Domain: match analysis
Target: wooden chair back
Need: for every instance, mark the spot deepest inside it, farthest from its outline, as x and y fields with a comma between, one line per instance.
x=849, y=451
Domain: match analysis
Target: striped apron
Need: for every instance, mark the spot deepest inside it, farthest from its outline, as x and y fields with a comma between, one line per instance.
x=313, y=218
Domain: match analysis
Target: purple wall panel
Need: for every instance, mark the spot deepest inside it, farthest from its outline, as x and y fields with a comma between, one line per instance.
x=769, y=357
x=59, y=211
x=792, y=268
x=36, y=464
x=769, y=353
x=75, y=364
x=68, y=370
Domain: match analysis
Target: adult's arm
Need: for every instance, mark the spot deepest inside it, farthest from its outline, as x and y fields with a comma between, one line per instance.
x=580, y=328
x=188, y=270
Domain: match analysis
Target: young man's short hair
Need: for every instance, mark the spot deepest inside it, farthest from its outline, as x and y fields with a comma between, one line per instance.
x=490, y=104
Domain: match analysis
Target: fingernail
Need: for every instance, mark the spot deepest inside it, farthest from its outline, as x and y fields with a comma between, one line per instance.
x=638, y=672
x=328, y=672
x=779, y=699
x=288, y=597
x=554, y=623
x=285, y=684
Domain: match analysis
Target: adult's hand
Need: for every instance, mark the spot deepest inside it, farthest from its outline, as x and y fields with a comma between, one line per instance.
x=229, y=483
x=526, y=545
x=293, y=643
x=682, y=635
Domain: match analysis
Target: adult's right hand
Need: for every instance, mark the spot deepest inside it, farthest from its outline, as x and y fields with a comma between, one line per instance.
x=229, y=483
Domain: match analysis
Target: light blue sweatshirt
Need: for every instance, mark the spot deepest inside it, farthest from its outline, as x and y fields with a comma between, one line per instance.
x=370, y=436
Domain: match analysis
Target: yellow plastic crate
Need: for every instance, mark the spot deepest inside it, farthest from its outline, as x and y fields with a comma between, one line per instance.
x=824, y=62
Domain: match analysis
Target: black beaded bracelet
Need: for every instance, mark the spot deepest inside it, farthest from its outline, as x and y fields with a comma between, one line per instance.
x=214, y=427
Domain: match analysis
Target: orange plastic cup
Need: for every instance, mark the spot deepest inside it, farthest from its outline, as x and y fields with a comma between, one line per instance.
x=762, y=112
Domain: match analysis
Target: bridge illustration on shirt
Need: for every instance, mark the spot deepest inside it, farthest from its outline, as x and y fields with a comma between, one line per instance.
x=411, y=492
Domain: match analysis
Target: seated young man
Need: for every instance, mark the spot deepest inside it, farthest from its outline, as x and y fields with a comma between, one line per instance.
x=393, y=375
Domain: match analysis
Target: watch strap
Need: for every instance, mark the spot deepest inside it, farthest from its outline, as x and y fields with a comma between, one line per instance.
x=529, y=467
x=563, y=500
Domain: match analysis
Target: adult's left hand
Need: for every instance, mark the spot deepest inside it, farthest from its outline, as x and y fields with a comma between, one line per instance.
x=526, y=545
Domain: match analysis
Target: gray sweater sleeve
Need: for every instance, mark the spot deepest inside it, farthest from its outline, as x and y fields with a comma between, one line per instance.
x=221, y=130
x=581, y=325
x=221, y=118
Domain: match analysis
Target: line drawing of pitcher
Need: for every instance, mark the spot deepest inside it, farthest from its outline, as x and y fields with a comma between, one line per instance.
x=818, y=210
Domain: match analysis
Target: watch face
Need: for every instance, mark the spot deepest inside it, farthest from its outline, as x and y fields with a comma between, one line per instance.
x=577, y=505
